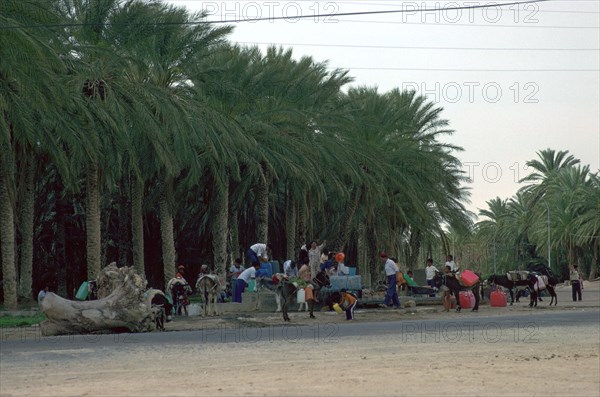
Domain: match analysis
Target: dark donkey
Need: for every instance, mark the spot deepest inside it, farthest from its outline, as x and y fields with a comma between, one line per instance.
x=545, y=282
x=545, y=275
x=528, y=283
x=286, y=291
x=449, y=280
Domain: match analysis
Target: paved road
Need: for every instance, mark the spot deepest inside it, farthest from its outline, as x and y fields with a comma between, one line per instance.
x=517, y=327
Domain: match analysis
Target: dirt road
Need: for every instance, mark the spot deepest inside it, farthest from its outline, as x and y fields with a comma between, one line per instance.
x=558, y=355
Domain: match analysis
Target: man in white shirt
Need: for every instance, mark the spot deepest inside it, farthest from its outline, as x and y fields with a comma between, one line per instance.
x=450, y=262
x=259, y=253
x=430, y=272
x=290, y=269
x=236, y=268
x=391, y=295
x=243, y=280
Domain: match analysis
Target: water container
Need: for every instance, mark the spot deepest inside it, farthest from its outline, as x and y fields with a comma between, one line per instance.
x=467, y=299
x=251, y=285
x=276, y=267
x=497, y=298
x=468, y=278
x=266, y=270
x=82, y=292
x=301, y=295
x=337, y=308
x=193, y=309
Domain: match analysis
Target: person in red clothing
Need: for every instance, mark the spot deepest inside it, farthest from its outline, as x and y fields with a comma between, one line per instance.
x=348, y=302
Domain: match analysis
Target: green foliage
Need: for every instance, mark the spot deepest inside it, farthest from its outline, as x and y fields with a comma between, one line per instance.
x=557, y=212
x=151, y=95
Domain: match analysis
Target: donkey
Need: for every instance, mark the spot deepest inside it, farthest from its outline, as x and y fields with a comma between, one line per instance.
x=285, y=291
x=209, y=287
x=545, y=282
x=180, y=290
x=451, y=282
x=528, y=283
x=161, y=307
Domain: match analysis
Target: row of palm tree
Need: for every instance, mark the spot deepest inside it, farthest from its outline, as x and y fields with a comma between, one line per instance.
x=553, y=219
x=134, y=131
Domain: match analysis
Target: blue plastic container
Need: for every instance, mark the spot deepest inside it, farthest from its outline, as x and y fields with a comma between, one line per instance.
x=276, y=267
x=82, y=292
x=266, y=270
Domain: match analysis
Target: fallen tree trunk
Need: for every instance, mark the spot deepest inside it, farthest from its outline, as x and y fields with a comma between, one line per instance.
x=125, y=309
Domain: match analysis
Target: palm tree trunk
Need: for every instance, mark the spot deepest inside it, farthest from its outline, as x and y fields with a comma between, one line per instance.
x=7, y=234
x=234, y=232
x=124, y=241
x=415, y=248
x=219, y=229
x=60, y=256
x=137, y=224
x=595, y=260
x=262, y=207
x=166, y=230
x=445, y=242
x=93, y=224
x=27, y=212
x=105, y=228
x=290, y=226
x=301, y=215
x=373, y=258
x=362, y=257
x=346, y=221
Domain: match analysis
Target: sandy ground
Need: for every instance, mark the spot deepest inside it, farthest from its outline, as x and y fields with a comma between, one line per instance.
x=551, y=361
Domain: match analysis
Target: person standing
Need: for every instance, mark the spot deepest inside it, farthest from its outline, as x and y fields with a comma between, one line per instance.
x=234, y=272
x=303, y=258
x=259, y=253
x=236, y=269
x=430, y=272
x=314, y=257
x=450, y=262
x=391, y=295
x=575, y=283
x=243, y=280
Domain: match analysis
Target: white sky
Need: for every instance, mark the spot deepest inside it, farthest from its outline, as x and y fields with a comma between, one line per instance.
x=502, y=115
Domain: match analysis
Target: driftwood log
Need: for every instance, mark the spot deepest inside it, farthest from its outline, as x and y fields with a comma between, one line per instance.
x=122, y=306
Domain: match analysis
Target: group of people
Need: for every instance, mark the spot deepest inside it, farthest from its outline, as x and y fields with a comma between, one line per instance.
x=396, y=278
x=311, y=261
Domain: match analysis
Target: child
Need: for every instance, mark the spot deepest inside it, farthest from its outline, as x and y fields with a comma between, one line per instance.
x=348, y=301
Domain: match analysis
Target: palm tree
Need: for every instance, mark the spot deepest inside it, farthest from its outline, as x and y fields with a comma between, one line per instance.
x=587, y=224
x=414, y=178
x=29, y=67
x=550, y=162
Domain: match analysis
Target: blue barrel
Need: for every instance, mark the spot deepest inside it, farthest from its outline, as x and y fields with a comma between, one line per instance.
x=266, y=270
